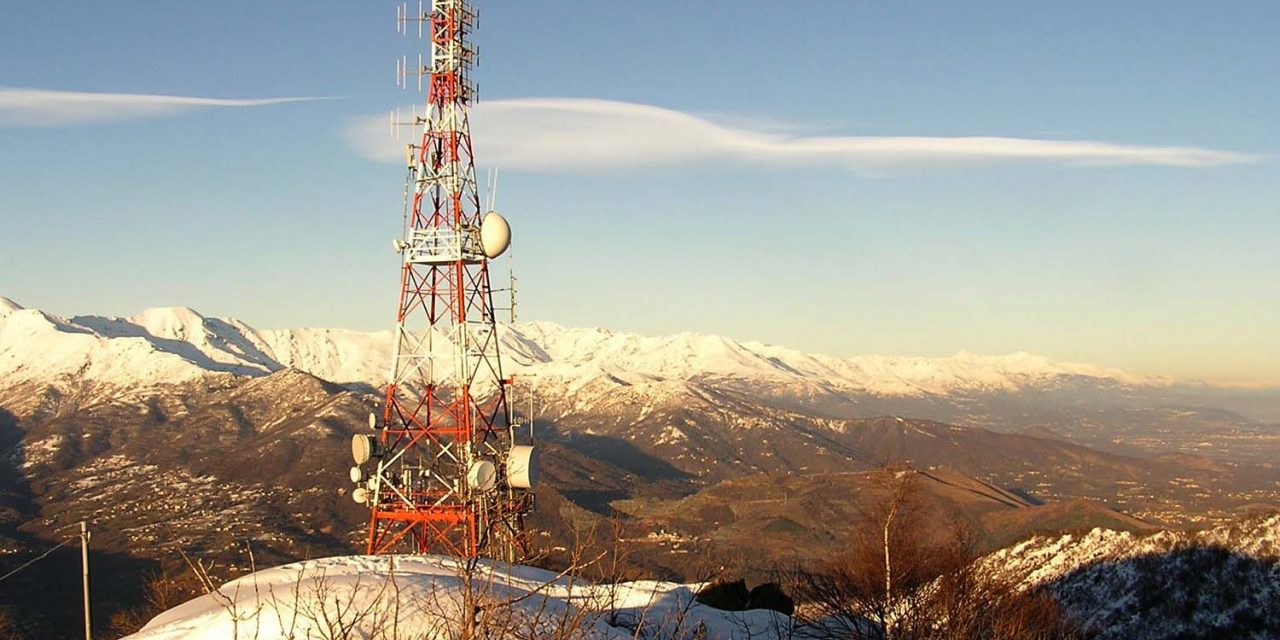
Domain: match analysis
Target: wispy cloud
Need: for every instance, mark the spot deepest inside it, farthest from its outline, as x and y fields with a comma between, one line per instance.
x=557, y=135
x=46, y=108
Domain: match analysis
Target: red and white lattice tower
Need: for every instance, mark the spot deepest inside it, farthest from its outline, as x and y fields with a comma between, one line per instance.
x=450, y=476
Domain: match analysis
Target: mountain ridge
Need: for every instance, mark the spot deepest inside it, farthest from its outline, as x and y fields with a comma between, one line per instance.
x=596, y=374
x=218, y=345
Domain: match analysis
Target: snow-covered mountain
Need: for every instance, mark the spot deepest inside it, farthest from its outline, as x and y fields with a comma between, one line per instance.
x=608, y=380
x=165, y=345
x=175, y=344
x=36, y=346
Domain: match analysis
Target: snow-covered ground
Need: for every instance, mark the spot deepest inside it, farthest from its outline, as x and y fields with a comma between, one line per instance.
x=423, y=597
x=1223, y=582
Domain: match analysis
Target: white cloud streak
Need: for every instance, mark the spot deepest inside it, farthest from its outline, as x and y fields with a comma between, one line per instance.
x=23, y=107
x=572, y=135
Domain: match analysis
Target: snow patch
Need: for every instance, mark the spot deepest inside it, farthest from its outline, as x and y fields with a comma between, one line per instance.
x=425, y=594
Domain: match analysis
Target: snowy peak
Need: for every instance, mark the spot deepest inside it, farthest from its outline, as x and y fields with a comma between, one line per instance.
x=174, y=323
x=207, y=343
x=8, y=306
x=39, y=347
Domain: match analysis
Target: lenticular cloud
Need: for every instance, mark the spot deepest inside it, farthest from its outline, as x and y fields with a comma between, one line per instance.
x=45, y=108
x=561, y=135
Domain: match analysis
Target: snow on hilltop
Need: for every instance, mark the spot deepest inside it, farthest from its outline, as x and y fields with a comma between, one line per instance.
x=556, y=351
x=177, y=343
x=1220, y=582
x=37, y=346
x=422, y=596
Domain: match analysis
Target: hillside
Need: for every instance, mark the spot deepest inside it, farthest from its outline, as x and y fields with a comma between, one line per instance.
x=759, y=523
x=1222, y=582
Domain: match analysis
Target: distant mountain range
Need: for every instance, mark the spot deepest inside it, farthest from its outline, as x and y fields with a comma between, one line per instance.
x=161, y=345
x=573, y=370
x=171, y=430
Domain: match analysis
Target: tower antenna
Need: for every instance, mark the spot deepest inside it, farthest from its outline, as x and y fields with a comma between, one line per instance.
x=493, y=189
x=448, y=475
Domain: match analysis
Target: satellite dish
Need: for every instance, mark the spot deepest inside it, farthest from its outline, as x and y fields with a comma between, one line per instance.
x=360, y=495
x=373, y=421
x=356, y=475
x=482, y=476
x=371, y=484
x=495, y=234
x=361, y=448
x=522, y=467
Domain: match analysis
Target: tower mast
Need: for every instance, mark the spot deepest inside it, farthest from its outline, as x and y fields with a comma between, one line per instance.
x=449, y=475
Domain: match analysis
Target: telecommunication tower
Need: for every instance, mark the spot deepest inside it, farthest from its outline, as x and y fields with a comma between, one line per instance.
x=450, y=474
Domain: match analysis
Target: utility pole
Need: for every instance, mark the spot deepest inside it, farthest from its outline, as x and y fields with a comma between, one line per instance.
x=84, y=562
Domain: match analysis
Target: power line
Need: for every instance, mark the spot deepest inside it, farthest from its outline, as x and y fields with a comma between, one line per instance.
x=37, y=559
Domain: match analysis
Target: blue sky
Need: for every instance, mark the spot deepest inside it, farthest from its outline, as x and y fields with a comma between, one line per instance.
x=747, y=204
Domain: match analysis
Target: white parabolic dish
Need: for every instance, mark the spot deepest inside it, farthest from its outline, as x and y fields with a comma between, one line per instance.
x=495, y=234
x=483, y=476
x=522, y=467
x=361, y=448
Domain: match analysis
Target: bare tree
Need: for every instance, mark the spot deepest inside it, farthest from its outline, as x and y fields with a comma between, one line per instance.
x=868, y=588
x=905, y=577
x=612, y=570
x=230, y=603
x=167, y=587
x=8, y=624
x=970, y=601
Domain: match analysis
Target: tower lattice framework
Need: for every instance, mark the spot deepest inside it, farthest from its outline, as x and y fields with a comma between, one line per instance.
x=446, y=409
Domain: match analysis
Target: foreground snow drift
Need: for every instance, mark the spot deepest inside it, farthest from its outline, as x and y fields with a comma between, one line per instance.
x=412, y=597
